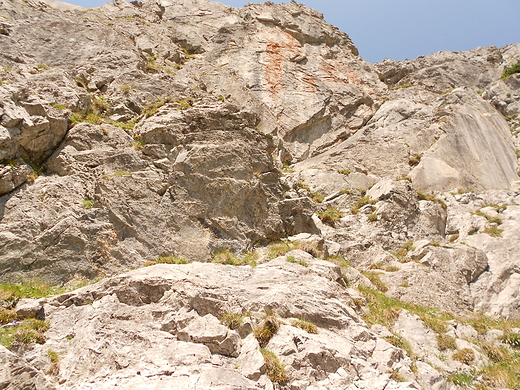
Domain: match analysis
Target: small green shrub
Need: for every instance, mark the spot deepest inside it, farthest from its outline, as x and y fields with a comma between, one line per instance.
x=511, y=70
x=307, y=326
x=274, y=368
x=231, y=320
x=87, y=203
x=330, y=216
x=465, y=356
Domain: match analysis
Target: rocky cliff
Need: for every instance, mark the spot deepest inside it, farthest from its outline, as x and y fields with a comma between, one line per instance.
x=366, y=215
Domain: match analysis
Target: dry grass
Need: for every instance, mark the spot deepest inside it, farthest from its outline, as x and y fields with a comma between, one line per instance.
x=274, y=369
x=267, y=329
x=307, y=326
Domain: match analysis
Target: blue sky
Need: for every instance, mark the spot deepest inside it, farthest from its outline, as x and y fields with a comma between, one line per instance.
x=400, y=29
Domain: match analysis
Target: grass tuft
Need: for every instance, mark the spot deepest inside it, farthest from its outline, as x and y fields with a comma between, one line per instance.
x=330, y=216
x=231, y=320
x=267, y=329
x=307, y=326
x=167, y=260
x=274, y=368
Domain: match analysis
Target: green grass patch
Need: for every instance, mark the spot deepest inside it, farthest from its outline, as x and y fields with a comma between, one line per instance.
x=280, y=248
x=376, y=280
x=460, y=379
x=29, y=288
x=385, y=310
x=28, y=332
x=511, y=70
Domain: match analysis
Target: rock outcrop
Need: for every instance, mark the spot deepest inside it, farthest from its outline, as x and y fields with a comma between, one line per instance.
x=181, y=131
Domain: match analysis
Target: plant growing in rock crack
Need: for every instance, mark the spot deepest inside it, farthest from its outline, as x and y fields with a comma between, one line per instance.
x=292, y=259
x=415, y=159
x=511, y=70
x=330, y=216
x=489, y=218
x=365, y=200
x=267, y=329
x=280, y=248
x=430, y=197
x=314, y=195
x=310, y=248
x=54, y=358
x=274, y=368
x=185, y=103
x=375, y=280
x=167, y=260
x=493, y=231
x=372, y=217
x=307, y=326
x=138, y=142
x=231, y=320
x=225, y=256
x=403, y=251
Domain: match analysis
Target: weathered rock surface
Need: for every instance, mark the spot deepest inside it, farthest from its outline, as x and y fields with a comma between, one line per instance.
x=159, y=128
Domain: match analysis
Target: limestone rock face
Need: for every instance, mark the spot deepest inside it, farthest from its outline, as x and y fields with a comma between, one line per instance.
x=170, y=313
x=190, y=131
